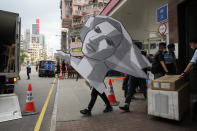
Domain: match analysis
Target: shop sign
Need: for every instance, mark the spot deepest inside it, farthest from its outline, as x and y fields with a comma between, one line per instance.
x=76, y=49
x=162, y=14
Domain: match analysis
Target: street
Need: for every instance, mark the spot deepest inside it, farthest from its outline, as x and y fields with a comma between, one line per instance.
x=40, y=90
x=69, y=96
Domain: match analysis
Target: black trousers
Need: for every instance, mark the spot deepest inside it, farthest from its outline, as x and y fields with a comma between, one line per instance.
x=94, y=95
x=28, y=77
x=133, y=83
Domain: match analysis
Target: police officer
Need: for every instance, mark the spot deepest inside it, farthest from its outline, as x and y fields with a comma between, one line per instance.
x=170, y=59
x=192, y=67
x=158, y=66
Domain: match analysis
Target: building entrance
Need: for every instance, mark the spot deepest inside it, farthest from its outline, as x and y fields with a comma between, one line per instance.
x=187, y=23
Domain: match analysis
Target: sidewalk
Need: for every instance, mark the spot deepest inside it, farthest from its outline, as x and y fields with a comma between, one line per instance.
x=73, y=96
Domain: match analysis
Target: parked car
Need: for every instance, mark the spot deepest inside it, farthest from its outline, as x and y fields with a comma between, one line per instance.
x=46, y=68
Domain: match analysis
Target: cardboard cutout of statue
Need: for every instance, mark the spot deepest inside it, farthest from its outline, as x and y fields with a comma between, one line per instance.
x=106, y=46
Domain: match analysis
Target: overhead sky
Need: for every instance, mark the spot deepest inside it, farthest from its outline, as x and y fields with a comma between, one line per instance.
x=48, y=11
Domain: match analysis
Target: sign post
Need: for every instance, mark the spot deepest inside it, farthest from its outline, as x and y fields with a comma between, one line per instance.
x=162, y=18
x=162, y=29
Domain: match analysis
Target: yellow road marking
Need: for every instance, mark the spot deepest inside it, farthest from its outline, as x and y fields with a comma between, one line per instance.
x=39, y=121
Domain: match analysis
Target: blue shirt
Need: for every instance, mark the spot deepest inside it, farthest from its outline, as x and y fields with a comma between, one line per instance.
x=45, y=66
x=194, y=58
x=52, y=67
x=169, y=57
x=49, y=66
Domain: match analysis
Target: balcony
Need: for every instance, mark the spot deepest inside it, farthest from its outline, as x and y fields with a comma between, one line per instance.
x=105, y=1
x=76, y=53
x=66, y=23
x=77, y=13
x=77, y=24
x=78, y=2
x=92, y=9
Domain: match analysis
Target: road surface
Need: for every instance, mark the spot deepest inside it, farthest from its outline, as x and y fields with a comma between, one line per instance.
x=40, y=89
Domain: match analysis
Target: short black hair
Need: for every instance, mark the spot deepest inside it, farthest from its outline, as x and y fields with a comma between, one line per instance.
x=171, y=46
x=162, y=44
x=193, y=41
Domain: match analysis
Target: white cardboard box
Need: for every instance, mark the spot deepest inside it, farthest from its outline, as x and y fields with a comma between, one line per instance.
x=168, y=104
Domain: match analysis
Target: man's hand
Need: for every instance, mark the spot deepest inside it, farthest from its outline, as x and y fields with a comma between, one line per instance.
x=182, y=74
x=167, y=73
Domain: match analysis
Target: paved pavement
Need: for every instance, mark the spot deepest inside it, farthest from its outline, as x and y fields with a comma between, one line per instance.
x=40, y=90
x=73, y=96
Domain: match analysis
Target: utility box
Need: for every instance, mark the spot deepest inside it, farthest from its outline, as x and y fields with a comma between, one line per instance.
x=169, y=104
x=168, y=83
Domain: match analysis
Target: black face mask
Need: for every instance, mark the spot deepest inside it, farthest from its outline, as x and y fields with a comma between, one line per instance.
x=192, y=48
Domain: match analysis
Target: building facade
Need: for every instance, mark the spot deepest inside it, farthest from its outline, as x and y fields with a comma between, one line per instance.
x=141, y=22
x=50, y=54
x=42, y=40
x=26, y=41
x=140, y=19
x=36, y=52
x=38, y=23
x=35, y=38
x=182, y=27
x=35, y=29
x=74, y=14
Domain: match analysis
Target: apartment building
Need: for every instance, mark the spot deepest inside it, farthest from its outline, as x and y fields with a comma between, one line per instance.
x=36, y=52
x=74, y=14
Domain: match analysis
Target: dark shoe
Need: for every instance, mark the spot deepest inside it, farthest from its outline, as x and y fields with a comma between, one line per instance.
x=108, y=109
x=85, y=112
x=125, y=108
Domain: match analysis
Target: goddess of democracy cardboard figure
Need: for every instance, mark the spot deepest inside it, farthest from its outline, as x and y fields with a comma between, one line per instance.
x=106, y=46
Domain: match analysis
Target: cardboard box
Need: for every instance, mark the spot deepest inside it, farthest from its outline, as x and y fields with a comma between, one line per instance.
x=168, y=83
x=169, y=104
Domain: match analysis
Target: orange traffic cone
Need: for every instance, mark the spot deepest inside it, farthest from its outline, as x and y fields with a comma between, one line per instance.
x=29, y=106
x=111, y=95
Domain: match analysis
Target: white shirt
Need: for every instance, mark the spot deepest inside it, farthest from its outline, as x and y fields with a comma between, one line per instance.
x=28, y=65
x=194, y=58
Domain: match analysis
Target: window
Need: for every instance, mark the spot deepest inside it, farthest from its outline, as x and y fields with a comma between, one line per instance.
x=73, y=39
x=153, y=46
x=68, y=3
x=79, y=8
x=68, y=13
x=145, y=46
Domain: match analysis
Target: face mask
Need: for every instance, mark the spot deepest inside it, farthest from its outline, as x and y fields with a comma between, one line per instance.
x=192, y=48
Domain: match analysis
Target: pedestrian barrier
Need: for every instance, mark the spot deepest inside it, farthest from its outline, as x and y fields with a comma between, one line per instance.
x=29, y=106
x=117, y=79
x=111, y=95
